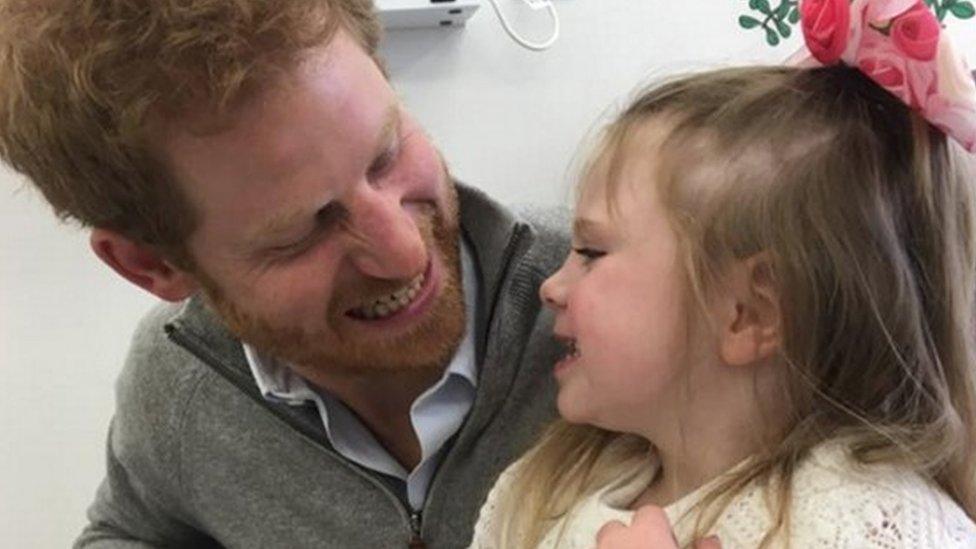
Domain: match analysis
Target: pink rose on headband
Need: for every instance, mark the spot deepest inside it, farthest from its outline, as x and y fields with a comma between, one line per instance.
x=826, y=26
x=889, y=73
x=900, y=45
x=914, y=82
x=916, y=32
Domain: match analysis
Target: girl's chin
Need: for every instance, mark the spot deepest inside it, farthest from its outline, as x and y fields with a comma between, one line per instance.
x=570, y=408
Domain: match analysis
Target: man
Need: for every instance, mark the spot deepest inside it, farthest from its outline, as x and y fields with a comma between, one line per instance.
x=353, y=348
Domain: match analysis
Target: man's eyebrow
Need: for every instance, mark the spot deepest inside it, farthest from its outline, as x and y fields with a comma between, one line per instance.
x=280, y=224
x=277, y=226
x=391, y=123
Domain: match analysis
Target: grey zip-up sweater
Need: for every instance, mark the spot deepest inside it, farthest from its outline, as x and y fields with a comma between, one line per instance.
x=197, y=458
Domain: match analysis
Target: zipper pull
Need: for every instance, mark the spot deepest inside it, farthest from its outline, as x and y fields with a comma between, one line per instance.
x=416, y=542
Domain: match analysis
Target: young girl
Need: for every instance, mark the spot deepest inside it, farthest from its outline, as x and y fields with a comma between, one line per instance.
x=769, y=322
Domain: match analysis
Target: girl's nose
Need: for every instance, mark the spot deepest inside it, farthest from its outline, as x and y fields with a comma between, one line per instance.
x=553, y=290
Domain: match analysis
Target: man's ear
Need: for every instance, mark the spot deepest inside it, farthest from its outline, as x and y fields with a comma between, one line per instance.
x=142, y=265
x=750, y=327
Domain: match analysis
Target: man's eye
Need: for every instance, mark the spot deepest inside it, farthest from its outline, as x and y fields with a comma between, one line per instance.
x=329, y=218
x=296, y=247
x=382, y=164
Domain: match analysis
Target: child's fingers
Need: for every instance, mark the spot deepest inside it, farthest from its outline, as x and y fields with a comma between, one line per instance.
x=711, y=542
x=649, y=529
x=652, y=520
x=608, y=532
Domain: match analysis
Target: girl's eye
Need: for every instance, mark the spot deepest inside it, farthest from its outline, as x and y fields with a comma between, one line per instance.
x=589, y=254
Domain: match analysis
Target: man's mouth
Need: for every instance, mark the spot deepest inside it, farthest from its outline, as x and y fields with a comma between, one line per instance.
x=392, y=303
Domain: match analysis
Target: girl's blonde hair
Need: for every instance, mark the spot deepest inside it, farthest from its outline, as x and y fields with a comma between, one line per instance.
x=866, y=213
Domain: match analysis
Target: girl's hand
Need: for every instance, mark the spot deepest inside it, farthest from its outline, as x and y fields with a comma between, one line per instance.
x=649, y=529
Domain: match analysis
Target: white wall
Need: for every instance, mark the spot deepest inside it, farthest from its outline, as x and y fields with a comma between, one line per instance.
x=507, y=119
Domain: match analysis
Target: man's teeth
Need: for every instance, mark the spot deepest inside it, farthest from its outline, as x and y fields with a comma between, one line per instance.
x=390, y=304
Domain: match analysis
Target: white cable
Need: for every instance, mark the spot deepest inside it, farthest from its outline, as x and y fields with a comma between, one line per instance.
x=534, y=46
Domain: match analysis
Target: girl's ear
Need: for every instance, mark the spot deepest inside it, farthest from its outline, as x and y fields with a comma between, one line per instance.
x=142, y=265
x=750, y=319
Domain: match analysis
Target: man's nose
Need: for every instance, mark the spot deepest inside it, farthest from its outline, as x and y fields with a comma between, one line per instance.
x=388, y=242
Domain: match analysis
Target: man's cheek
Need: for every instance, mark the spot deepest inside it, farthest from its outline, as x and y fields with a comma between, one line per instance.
x=289, y=308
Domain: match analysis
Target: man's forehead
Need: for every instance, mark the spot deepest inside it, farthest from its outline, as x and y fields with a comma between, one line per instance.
x=329, y=82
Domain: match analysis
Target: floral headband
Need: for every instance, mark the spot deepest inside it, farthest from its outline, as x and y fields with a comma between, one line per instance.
x=901, y=46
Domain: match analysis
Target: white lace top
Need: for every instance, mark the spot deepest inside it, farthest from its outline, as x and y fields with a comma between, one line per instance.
x=836, y=504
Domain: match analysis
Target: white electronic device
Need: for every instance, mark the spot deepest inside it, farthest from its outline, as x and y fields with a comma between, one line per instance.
x=406, y=14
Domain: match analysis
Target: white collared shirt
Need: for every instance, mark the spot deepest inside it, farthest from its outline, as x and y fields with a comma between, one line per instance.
x=436, y=415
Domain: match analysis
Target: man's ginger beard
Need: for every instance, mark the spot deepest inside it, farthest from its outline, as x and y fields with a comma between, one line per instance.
x=430, y=345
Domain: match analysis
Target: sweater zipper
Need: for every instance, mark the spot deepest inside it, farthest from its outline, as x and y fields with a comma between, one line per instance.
x=417, y=541
x=416, y=518
x=412, y=521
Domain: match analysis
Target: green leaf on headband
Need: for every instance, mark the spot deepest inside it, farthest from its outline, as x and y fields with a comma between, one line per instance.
x=783, y=9
x=777, y=23
x=962, y=10
x=761, y=5
x=747, y=22
x=784, y=29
